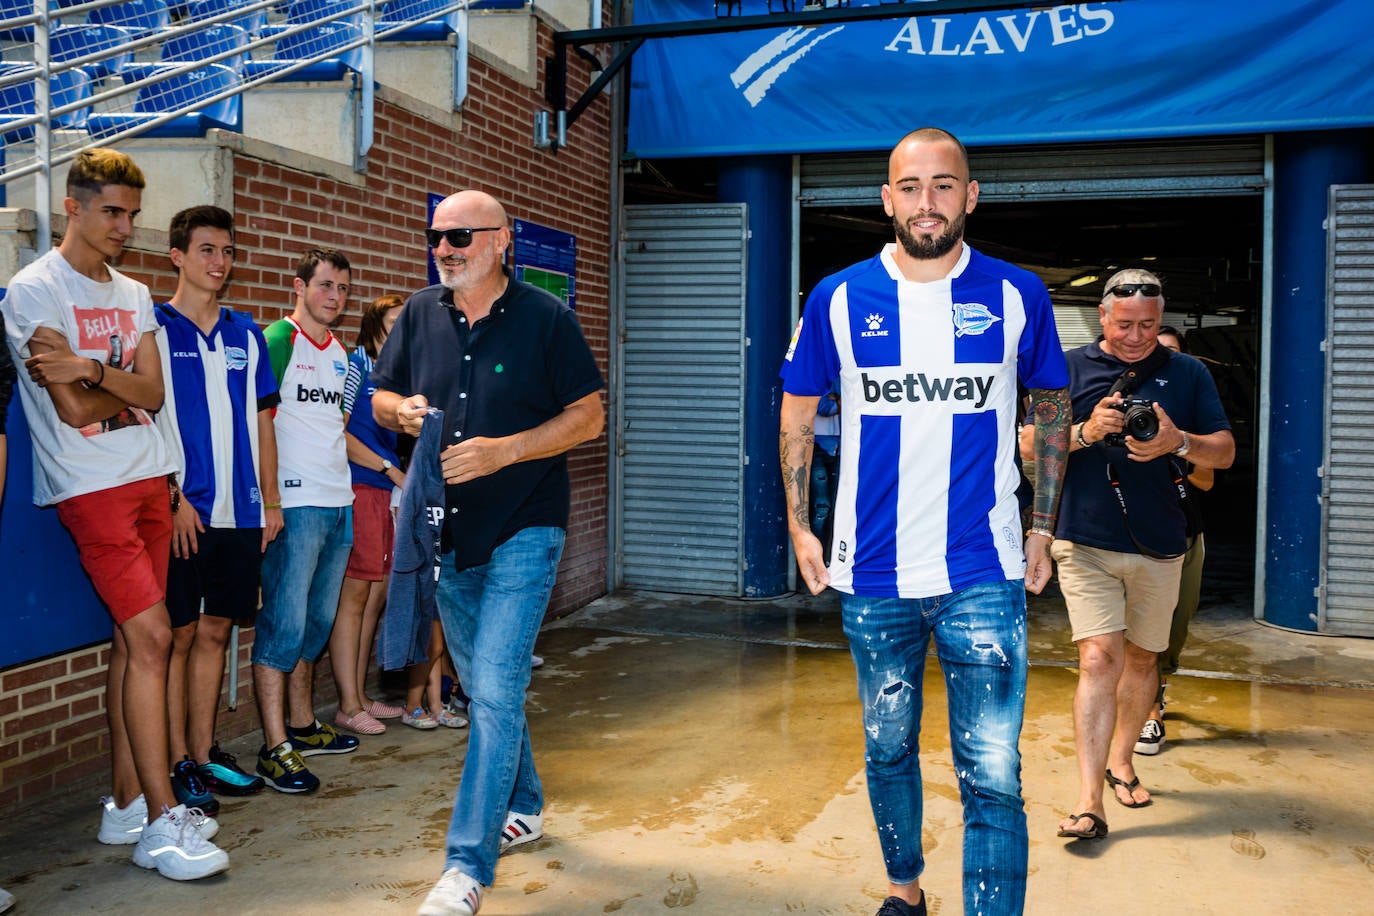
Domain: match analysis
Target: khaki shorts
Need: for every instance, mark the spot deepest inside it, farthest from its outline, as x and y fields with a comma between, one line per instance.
x=1107, y=592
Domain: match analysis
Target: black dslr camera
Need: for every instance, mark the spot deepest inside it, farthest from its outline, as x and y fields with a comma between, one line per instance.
x=1141, y=421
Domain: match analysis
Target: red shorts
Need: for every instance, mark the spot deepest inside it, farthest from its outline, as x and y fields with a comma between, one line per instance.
x=124, y=537
x=374, y=534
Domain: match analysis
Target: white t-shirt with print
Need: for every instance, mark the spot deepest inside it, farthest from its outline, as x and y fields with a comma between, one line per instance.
x=103, y=321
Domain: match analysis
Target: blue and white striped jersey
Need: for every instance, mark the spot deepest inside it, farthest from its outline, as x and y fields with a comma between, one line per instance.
x=215, y=387
x=928, y=388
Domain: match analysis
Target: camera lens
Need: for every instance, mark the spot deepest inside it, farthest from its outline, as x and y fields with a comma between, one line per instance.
x=1142, y=423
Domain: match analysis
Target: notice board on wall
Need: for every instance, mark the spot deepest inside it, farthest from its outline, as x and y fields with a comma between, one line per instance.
x=546, y=258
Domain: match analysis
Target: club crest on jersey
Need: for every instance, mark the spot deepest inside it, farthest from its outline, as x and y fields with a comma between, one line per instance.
x=235, y=358
x=971, y=318
x=340, y=369
x=875, y=326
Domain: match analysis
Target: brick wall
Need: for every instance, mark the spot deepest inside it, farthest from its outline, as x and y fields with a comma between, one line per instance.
x=52, y=718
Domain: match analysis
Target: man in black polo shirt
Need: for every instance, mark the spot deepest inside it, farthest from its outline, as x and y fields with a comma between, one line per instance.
x=1119, y=570
x=519, y=387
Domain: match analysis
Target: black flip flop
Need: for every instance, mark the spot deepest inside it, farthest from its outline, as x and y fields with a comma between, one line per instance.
x=1130, y=788
x=1096, y=832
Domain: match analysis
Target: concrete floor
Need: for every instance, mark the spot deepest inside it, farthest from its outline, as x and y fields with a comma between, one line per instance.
x=706, y=755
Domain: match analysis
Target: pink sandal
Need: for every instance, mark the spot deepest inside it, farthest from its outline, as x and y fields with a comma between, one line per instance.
x=363, y=723
x=379, y=710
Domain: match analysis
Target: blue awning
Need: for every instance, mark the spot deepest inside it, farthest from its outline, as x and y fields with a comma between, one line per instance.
x=1076, y=72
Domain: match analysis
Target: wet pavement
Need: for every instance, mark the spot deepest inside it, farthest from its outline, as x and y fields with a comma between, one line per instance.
x=706, y=756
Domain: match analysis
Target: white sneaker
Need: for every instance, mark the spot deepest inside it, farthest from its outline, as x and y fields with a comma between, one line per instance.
x=455, y=894
x=175, y=847
x=6, y=900
x=536, y=661
x=520, y=828
x=122, y=826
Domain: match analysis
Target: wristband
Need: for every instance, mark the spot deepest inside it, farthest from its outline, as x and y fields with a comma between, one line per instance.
x=1042, y=532
x=1078, y=436
x=99, y=379
x=271, y=505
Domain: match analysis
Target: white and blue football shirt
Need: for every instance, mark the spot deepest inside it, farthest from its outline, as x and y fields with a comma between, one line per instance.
x=215, y=385
x=928, y=389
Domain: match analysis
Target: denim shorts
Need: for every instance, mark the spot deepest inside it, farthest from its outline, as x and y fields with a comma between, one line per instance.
x=302, y=573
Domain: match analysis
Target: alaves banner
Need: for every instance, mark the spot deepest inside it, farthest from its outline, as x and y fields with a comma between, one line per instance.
x=1073, y=72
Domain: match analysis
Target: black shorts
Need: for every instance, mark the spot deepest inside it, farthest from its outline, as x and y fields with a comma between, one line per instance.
x=224, y=573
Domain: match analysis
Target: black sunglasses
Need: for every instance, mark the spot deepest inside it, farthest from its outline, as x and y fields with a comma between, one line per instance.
x=458, y=238
x=1127, y=290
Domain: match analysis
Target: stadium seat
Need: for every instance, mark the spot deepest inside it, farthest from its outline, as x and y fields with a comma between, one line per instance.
x=13, y=9
x=179, y=91
x=68, y=42
x=207, y=42
x=322, y=39
x=252, y=22
x=429, y=19
x=17, y=100
x=142, y=17
x=301, y=12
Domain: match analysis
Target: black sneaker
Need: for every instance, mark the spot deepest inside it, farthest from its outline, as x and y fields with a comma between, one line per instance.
x=896, y=906
x=190, y=789
x=1151, y=738
x=320, y=739
x=222, y=774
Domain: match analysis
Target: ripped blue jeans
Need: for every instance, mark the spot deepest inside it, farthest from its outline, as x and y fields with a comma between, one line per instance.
x=980, y=639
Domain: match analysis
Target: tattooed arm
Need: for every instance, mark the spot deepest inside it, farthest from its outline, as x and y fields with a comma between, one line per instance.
x=1050, y=412
x=794, y=449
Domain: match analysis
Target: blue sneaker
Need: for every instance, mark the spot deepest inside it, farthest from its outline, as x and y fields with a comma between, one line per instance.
x=223, y=775
x=283, y=770
x=320, y=739
x=190, y=790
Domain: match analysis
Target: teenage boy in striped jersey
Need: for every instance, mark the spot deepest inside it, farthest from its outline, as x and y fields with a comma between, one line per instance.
x=217, y=420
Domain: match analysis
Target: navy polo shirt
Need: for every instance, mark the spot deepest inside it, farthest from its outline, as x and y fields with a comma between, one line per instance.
x=511, y=371
x=1089, y=513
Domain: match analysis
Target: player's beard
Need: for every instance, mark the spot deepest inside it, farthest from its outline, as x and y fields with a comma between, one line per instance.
x=927, y=248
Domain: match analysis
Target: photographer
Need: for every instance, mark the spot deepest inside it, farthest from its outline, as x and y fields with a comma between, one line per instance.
x=1141, y=413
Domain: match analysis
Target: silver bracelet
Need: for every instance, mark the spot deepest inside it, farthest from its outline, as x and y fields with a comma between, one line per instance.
x=1082, y=443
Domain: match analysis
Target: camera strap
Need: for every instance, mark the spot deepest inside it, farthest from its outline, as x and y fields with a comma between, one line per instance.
x=1139, y=373
x=1180, y=484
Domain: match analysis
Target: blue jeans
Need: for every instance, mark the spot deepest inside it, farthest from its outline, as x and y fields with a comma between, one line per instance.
x=302, y=572
x=980, y=638
x=491, y=616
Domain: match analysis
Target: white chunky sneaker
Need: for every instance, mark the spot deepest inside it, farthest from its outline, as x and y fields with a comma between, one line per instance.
x=122, y=826
x=520, y=828
x=455, y=894
x=174, y=845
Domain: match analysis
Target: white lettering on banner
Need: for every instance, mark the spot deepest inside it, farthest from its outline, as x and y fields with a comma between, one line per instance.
x=1067, y=23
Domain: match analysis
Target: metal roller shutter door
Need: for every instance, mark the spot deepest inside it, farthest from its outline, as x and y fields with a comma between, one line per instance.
x=1346, y=598
x=680, y=499
x=1093, y=171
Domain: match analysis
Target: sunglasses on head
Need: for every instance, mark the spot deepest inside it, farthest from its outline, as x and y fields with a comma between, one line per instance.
x=458, y=238
x=1127, y=290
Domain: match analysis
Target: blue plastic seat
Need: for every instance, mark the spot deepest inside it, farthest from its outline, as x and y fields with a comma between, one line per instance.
x=13, y=9
x=322, y=39
x=429, y=20
x=178, y=92
x=142, y=17
x=68, y=42
x=301, y=12
x=17, y=99
x=252, y=22
x=208, y=42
